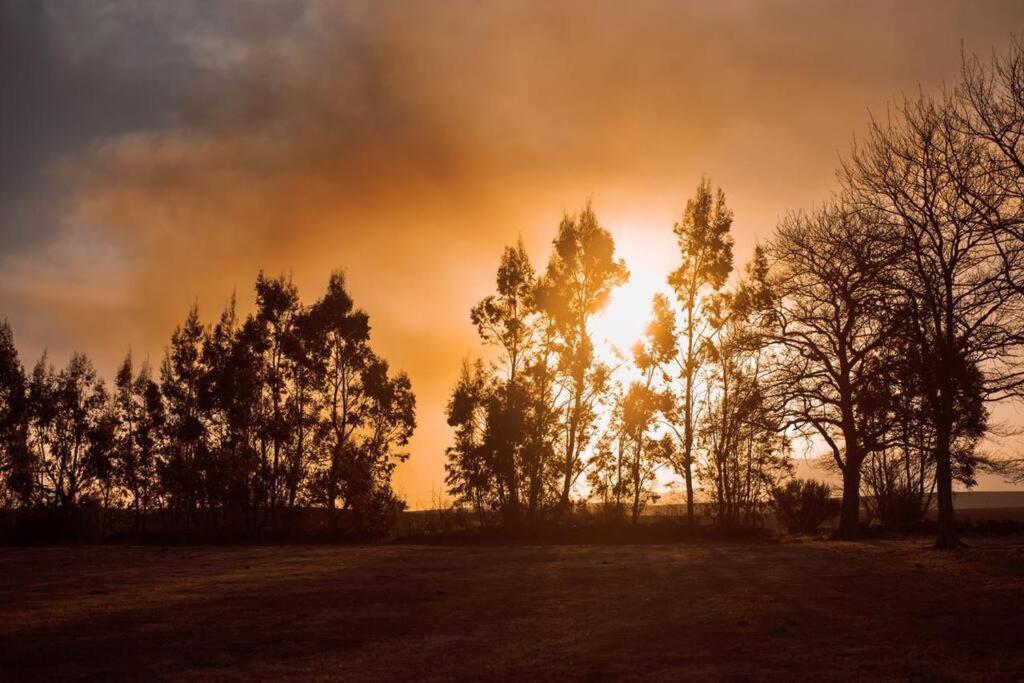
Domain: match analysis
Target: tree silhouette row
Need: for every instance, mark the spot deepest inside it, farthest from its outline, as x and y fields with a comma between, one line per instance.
x=879, y=325
x=289, y=407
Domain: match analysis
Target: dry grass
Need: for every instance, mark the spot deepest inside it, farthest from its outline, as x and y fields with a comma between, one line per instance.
x=808, y=610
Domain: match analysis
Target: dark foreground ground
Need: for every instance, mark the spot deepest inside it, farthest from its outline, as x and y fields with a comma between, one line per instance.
x=799, y=610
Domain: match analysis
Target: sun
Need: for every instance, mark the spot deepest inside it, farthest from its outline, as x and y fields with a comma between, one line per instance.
x=624, y=319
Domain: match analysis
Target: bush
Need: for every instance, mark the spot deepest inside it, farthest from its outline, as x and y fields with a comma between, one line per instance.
x=803, y=505
x=897, y=510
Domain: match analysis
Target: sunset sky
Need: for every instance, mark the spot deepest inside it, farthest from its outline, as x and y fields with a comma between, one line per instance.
x=155, y=154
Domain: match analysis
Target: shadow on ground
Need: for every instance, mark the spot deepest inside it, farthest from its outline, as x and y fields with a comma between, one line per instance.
x=815, y=609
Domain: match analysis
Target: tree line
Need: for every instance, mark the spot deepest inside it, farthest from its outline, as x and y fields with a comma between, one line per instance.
x=882, y=324
x=252, y=418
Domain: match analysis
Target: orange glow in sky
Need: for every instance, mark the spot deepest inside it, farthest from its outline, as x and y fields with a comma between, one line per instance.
x=407, y=144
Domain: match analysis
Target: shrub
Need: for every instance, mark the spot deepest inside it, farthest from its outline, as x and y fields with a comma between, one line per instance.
x=898, y=510
x=803, y=505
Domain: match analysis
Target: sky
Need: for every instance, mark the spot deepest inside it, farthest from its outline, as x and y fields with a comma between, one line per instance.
x=158, y=154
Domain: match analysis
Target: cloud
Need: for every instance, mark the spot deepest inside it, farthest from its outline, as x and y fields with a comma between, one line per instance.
x=172, y=150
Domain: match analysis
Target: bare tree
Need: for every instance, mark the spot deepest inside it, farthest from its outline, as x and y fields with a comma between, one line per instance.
x=990, y=108
x=949, y=214
x=831, y=323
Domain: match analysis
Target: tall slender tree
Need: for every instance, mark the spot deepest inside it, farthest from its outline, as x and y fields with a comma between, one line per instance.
x=185, y=463
x=468, y=474
x=580, y=277
x=740, y=434
x=345, y=332
x=503, y=320
x=15, y=459
x=705, y=250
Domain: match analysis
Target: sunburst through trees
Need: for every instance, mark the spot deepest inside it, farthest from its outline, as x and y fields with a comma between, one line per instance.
x=880, y=326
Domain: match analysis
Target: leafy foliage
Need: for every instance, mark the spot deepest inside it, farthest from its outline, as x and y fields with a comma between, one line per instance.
x=803, y=505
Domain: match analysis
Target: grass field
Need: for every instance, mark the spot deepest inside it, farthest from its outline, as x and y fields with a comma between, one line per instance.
x=749, y=611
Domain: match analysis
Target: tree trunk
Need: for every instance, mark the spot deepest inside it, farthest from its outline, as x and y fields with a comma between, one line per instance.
x=688, y=406
x=947, y=537
x=636, y=478
x=570, y=449
x=849, y=512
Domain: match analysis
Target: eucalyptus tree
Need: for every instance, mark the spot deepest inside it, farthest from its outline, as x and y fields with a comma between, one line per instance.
x=627, y=456
x=235, y=413
x=15, y=461
x=368, y=414
x=307, y=357
x=544, y=395
x=645, y=405
x=345, y=333
x=65, y=409
x=606, y=471
x=580, y=277
x=101, y=456
x=277, y=307
x=705, y=251
x=138, y=418
x=148, y=442
x=469, y=475
x=646, y=452
x=182, y=376
x=504, y=320
x=741, y=429
x=389, y=423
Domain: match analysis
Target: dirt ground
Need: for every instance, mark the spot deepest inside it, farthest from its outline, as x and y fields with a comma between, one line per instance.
x=884, y=610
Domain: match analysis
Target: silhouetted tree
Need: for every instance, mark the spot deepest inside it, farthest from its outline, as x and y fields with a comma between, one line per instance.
x=898, y=477
x=345, y=333
x=101, y=456
x=468, y=475
x=307, y=367
x=140, y=423
x=643, y=408
x=741, y=431
x=390, y=422
x=705, y=249
x=368, y=415
x=949, y=214
x=15, y=459
x=832, y=323
x=277, y=307
x=646, y=452
x=606, y=474
x=65, y=410
x=183, y=467
x=234, y=409
x=503, y=320
x=582, y=273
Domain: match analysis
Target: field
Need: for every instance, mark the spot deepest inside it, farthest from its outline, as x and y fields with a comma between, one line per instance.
x=749, y=611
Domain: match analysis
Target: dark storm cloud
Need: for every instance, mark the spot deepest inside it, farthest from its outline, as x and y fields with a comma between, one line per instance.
x=76, y=74
x=71, y=75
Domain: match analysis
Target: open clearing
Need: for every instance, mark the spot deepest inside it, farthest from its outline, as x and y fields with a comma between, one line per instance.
x=810, y=610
